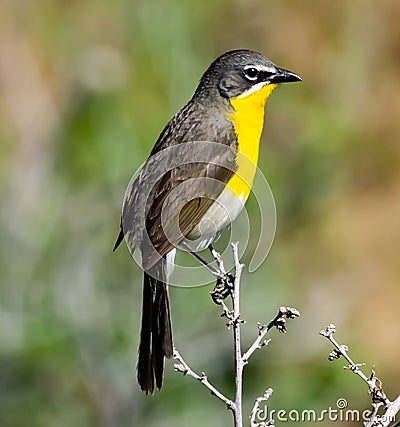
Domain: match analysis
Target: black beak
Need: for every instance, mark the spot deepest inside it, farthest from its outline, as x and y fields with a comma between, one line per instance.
x=284, y=76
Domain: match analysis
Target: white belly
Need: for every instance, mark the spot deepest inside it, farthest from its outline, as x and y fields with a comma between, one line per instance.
x=222, y=213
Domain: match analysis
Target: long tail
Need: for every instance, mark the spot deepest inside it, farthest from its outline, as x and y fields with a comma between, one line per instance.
x=156, y=333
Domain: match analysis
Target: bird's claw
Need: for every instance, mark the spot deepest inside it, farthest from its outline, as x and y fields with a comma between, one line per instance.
x=223, y=288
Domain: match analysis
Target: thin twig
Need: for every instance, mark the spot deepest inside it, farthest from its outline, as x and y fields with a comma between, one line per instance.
x=388, y=417
x=218, y=259
x=374, y=414
x=185, y=369
x=375, y=388
x=342, y=350
x=279, y=322
x=256, y=408
x=237, y=348
x=392, y=411
x=226, y=312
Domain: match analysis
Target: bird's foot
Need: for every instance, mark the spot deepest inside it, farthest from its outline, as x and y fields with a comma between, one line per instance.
x=223, y=288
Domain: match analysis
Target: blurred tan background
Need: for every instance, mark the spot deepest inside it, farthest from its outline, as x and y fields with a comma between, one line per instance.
x=85, y=88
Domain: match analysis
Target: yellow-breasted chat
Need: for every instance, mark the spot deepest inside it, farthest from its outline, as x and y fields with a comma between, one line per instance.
x=209, y=158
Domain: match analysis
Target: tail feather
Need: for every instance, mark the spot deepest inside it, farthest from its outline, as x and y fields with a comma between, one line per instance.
x=144, y=368
x=168, y=347
x=155, y=336
x=157, y=339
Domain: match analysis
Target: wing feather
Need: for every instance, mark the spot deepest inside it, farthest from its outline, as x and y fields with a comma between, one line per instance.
x=188, y=168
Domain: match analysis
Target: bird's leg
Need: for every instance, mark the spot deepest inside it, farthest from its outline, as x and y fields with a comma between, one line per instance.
x=224, y=284
x=216, y=272
x=223, y=287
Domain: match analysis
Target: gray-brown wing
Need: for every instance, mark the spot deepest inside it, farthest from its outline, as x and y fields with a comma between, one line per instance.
x=184, y=199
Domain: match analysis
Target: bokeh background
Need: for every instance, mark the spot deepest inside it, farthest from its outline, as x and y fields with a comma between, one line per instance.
x=85, y=88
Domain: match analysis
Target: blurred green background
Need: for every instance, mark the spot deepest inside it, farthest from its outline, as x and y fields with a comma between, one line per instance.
x=85, y=88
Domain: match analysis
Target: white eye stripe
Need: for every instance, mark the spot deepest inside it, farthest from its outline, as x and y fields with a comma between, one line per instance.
x=256, y=72
x=261, y=68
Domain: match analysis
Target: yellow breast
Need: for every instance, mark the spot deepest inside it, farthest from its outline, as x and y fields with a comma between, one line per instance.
x=248, y=120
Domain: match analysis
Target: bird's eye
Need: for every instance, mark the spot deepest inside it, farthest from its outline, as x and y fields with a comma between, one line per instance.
x=251, y=73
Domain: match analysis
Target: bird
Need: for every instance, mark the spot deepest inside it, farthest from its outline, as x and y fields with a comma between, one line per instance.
x=194, y=184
